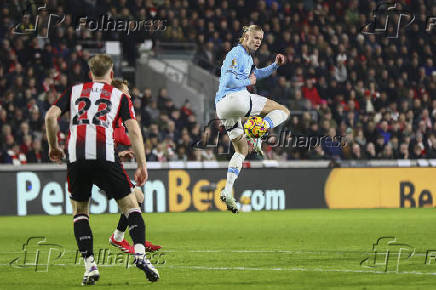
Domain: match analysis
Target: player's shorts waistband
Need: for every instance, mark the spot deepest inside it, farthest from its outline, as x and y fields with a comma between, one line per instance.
x=233, y=93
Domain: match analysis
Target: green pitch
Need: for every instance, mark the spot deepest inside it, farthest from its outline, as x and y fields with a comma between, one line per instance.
x=298, y=249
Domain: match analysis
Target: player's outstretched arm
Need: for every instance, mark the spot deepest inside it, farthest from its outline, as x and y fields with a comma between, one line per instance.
x=268, y=70
x=51, y=125
x=137, y=142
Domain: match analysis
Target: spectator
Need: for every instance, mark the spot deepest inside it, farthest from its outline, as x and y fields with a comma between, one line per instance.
x=311, y=93
x=370, y=151
x=357, y=154
x=331, y=146
x=298, y=103
x=330, y=67
x=36, y=154
x=282, y=92
x=383, y=131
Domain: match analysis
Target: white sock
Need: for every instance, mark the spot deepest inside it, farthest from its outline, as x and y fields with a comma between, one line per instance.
x=118, y=235
x=89, y=262
x=235, y=166
x=231, y=177
x=275, y=118
x=140, y=250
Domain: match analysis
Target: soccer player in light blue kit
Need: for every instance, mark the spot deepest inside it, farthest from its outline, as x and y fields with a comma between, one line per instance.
x=233, y=102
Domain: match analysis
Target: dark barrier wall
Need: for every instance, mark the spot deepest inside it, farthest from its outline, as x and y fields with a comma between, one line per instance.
x=173, y=190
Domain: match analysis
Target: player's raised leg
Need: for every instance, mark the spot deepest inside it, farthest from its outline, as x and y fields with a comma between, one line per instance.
x=274, y=113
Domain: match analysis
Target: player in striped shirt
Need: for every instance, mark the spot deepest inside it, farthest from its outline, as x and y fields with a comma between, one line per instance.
x=233, y=102
x=122, y=140
x=95, y=108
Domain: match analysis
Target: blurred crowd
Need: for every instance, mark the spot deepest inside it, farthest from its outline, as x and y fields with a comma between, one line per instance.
x=374, y=94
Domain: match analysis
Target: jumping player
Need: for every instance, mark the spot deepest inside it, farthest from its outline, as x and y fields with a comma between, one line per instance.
x=95, y=108
x=233, y=102
x=122, y=139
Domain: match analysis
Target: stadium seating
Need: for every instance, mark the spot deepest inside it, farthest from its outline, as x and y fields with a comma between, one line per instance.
x=378, y=94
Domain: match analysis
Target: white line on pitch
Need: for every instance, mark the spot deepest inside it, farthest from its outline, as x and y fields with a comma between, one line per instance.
x=295, y=269
x=422, y=254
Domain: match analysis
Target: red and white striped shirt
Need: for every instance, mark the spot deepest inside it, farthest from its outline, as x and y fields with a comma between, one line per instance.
x=95, y=109
x=120, y=135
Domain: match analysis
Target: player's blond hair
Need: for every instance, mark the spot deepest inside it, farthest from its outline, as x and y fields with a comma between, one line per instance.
x=100, y=64
x=247, y=29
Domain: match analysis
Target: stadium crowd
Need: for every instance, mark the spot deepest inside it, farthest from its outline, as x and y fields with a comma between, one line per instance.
x=377, y=93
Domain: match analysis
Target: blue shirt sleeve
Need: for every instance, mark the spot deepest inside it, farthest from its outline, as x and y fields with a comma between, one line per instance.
x=261, y=73
x=232, y=77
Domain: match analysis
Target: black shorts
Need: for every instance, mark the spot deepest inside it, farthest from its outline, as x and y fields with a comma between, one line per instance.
x=108, y=176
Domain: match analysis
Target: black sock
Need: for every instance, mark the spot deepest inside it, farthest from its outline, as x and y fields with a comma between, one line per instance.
x=83, y=234
x=136, y=227
x=122, y=223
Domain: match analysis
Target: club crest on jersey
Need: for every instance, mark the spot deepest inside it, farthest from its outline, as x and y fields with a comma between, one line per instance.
x=234, y=63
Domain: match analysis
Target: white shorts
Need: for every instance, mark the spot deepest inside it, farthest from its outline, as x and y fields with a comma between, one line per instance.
x=235, y=106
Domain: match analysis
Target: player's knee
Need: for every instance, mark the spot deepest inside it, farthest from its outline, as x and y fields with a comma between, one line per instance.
x=286, y=110
x=236, y=134
x=243, y=151
x=80, y=207
x=237, y=139
x=240, y=145
x=139, y=195
x=127, y=203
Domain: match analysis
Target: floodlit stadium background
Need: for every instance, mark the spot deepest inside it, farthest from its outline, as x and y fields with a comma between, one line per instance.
x=362, y=135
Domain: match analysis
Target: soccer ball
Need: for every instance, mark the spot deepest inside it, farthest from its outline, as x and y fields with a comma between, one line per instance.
x=255, y=127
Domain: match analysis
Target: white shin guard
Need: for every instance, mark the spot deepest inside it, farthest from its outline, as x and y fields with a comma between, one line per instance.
x=276, y=117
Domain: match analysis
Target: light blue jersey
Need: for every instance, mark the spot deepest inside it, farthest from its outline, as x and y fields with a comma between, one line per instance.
x=235, y=72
